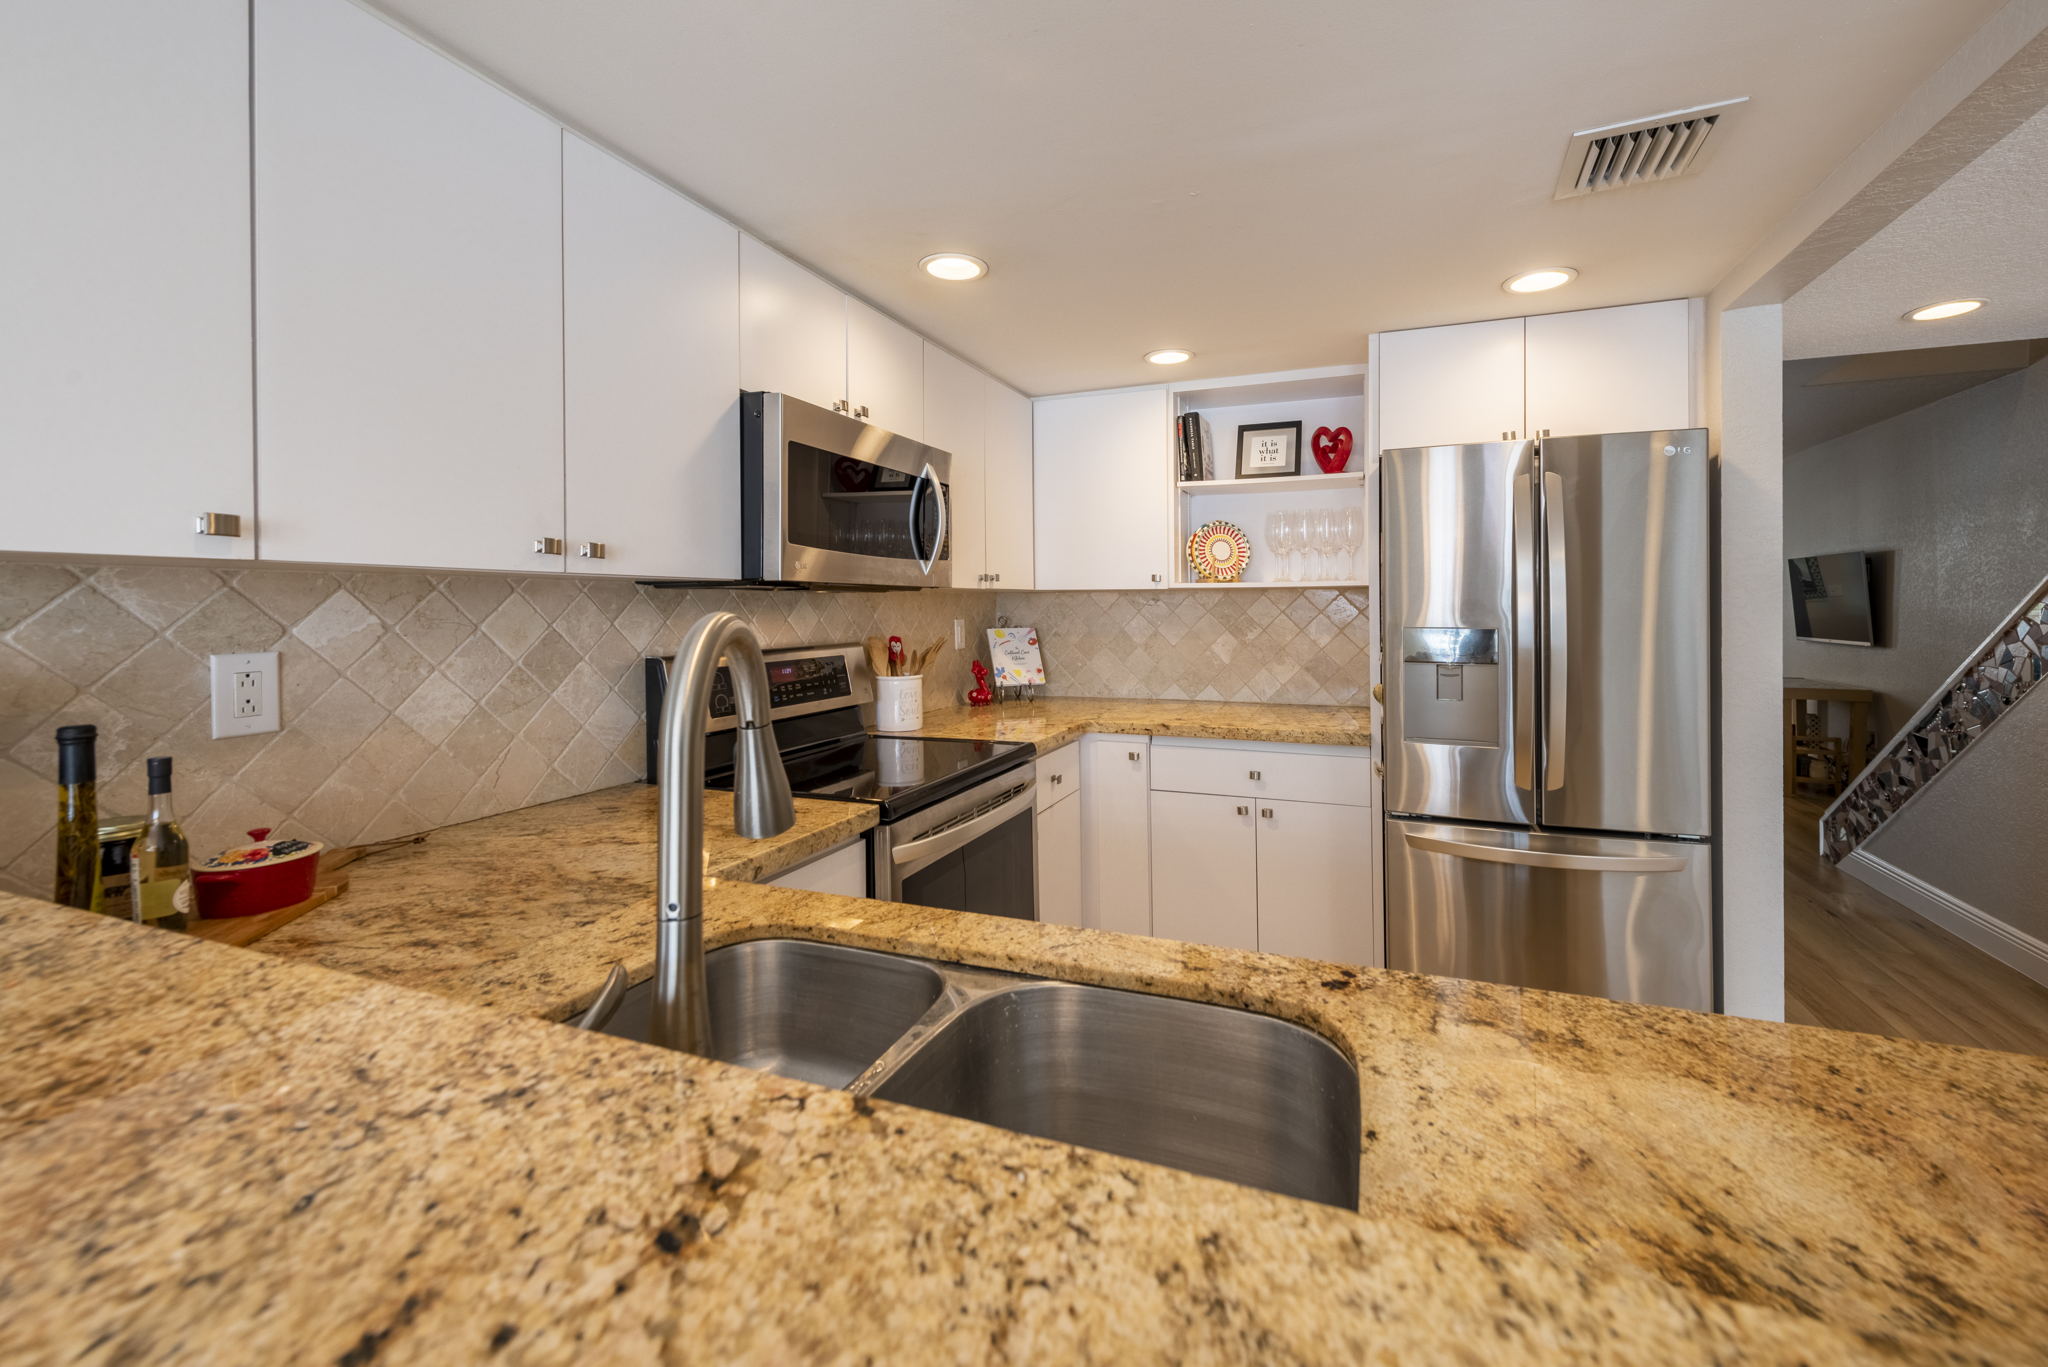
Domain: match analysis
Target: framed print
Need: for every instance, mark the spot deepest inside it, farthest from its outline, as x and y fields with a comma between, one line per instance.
x=1268, y=449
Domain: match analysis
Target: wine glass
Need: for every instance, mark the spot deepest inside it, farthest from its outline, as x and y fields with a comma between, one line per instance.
x=1300, y=528
x=1280, y=541
x=1351, y=533
x=1326, y=541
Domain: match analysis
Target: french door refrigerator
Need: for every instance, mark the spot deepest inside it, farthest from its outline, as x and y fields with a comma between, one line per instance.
x=1544, y=609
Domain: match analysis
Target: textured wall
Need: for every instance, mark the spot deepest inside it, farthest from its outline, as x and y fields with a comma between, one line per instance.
x=1230, y=645
x=1954, y=497
x=1976, y=832
x=409, y=700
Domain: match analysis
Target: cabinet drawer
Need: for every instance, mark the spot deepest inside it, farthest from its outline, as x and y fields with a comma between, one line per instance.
x=1291, y=773
x=1059, y=774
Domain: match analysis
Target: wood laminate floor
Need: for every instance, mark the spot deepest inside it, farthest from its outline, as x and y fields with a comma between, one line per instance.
x=1857, y=960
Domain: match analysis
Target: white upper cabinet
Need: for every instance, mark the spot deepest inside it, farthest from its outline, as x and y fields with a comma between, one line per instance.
x=1450, y=385
x=651, y=368
x=1627, y=369
x=792, y=328
x=124, y=267
x=408, y=302
x=954, y=421
x=1623, y=369
x=884, y=371
x=1007, y=485
x=1102, y=489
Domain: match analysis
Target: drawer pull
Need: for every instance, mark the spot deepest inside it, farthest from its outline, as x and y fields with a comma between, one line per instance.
x=1057, y=778
x=1266, y=812
x=1243, y=810
x=1134, y=754
x=1253, y=776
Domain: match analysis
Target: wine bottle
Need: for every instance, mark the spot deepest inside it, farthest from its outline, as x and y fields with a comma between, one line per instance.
x=160, y=876
x=78, y=819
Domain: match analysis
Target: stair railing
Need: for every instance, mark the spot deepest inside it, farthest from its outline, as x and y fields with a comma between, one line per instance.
x=1995, y=676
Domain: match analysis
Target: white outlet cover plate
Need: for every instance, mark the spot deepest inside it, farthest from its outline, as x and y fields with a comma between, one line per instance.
x=263, y=664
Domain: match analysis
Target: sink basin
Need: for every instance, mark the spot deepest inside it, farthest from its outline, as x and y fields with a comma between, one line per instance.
x=1207, y=1089
x=818, y=1012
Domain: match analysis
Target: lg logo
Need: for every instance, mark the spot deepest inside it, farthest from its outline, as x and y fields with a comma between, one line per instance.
x=1678, y=450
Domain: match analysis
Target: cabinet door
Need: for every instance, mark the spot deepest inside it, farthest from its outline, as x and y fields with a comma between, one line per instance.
x=1007, y=482
x=1103, y=489
x=1116, y=839
x=124, y=270
x=1315, y=882
x=792, y=328
x=1623, y=369
x=884, y=371
x=1450, y=385
x=408, y=301
x=1059, y=862
x=953, y=422
x=650, y=295
x=1205, y=884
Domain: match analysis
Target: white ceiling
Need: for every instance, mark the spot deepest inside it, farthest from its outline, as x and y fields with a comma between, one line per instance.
x=1982, y=235
x=1264, y=184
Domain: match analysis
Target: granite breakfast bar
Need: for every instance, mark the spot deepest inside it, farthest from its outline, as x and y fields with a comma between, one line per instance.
x=232, y=1155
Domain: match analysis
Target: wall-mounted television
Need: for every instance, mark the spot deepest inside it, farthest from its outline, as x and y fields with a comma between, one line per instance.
x=1834, y=599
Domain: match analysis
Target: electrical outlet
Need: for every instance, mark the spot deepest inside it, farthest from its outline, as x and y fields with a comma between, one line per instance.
x=959, y=634
x=244, y=694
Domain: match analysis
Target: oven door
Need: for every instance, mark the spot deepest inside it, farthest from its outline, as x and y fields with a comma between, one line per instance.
x=829, y=500
x=977, y=851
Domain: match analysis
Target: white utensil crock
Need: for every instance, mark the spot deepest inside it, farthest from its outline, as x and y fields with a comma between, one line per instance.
x=899, y=702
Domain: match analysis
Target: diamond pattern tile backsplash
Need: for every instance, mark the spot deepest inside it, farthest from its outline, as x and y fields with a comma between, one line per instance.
x=409, y=700
x=1227, y=645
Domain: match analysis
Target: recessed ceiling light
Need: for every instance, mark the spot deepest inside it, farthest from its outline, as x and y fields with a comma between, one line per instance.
x=1171, y=355
x=1950, y=308
x=1534, y=282
x=954, y=266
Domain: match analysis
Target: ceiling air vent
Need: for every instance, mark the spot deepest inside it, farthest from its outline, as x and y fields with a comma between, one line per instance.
x=1662, y=147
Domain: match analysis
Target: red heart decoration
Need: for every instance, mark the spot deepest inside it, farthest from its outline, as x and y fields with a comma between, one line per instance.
x=1332, y=449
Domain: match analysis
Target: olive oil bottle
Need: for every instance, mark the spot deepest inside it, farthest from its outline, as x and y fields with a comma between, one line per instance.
x=78, y=819
x=160, y=864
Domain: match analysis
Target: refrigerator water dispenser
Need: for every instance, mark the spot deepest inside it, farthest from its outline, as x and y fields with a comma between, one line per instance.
x=1450, y=685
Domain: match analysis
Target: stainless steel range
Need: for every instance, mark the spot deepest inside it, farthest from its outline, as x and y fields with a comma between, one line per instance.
x=958, y=828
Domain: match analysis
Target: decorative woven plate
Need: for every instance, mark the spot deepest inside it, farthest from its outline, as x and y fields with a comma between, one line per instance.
x=1219, y=552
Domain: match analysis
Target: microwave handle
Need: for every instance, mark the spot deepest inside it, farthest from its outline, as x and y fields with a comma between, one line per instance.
x=927, y=478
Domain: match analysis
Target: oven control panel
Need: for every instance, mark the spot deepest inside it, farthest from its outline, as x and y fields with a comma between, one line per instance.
x=793, y=681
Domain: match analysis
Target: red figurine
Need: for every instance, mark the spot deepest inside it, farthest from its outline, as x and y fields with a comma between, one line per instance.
x=1332, y=449
x=979, y=696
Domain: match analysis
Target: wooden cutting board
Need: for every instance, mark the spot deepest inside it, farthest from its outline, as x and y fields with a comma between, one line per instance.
x=329, y=883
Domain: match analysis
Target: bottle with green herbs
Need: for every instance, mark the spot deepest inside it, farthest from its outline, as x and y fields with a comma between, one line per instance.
x=160, y=876
x=78, y=819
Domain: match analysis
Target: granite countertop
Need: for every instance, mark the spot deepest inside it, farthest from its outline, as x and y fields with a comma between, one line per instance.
x=1052, y=722
x=217, y=1154
x=231, y=1155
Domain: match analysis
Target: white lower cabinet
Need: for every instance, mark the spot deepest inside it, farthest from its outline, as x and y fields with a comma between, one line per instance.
x=1205, y=883
x=843, y=870
x=1116, y=834
x=1059, y=861
x=1315, y=881
x=1235, y=867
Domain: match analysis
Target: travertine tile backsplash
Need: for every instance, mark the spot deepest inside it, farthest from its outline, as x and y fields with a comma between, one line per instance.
x=1304, y=645
x=409, y=700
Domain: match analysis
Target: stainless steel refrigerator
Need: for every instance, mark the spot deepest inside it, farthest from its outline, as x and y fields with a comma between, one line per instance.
x=1545, y=619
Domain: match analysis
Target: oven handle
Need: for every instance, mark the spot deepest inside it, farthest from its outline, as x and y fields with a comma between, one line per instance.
x=947, y=841
x=927, y=478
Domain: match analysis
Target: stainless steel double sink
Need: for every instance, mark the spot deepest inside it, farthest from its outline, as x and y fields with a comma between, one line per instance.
x=1208, y=1089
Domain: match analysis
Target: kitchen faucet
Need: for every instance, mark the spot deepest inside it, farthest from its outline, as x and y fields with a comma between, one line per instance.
x=760, y=801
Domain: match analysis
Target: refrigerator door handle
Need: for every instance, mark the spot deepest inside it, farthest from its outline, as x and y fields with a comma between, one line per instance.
x=1549, y=859
x=1525, y=632
x=1558, y=648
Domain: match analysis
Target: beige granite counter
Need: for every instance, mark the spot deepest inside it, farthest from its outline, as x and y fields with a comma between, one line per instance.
x=527, y=910
x=1051, y=722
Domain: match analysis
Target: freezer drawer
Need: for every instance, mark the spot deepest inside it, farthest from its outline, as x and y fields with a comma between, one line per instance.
x=1630, y=920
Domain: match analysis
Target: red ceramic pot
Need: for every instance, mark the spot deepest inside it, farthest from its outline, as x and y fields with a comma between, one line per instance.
x=250, y=880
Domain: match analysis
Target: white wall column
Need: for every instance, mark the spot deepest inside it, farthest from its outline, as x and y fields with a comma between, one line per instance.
x=1747, y=349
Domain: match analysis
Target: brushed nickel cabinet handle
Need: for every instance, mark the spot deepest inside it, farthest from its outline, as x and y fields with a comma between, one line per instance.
x=861, y=412
x=591, y=550
x=1242, y=810
x=1056, y=779
x=1134, y=754
x=1253, y=775
x=1266, y=812
x=218, y=524
x=547, y=545
x=839, y=405
x=1157, y=578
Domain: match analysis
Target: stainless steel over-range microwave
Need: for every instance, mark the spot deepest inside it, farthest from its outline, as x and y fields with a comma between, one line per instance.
x=827, y=499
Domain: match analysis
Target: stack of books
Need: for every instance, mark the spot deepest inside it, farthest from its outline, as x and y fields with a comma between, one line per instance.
x=1196, y=447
